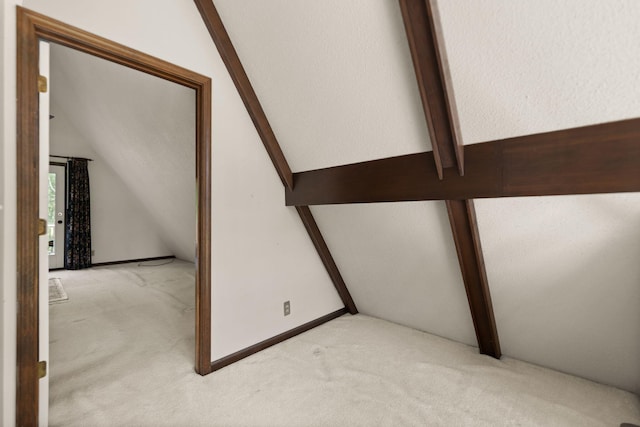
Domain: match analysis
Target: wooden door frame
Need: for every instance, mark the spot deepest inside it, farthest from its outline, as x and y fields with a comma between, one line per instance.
x=31, y=28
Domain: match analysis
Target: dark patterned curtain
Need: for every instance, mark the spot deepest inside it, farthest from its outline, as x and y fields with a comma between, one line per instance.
x=78, y=233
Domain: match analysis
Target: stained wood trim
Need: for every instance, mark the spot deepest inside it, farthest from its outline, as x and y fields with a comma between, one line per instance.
x=431, y=72
x=323, y=251
x=27, y=157
x=228, y=360
x=32, y=27
x=128, y=261
x=464, y=226
x=230, y=58
x=203, y=227
x=593, y=159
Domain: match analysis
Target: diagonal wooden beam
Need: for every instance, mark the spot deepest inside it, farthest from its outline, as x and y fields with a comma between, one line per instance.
x=422, y=34
x=587, y=160
x=230, y=58
x=462, y=217
x=325, y=255
x=431, y=71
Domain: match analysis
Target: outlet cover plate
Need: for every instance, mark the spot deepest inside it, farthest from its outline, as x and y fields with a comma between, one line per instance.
x=287, y=308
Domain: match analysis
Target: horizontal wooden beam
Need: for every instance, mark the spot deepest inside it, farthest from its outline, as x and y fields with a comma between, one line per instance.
x=601, y=158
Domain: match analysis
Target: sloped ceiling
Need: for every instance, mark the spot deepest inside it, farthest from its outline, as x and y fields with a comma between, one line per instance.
x=535, y=66
x=336, y=81
x=335, y=77
x=143, y=127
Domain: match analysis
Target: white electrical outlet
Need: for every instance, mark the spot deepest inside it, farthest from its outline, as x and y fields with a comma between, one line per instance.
x=287, y=308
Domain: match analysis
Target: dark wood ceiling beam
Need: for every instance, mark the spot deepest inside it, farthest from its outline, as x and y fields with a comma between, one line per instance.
x=602, y=158
x=431, y=73
x=323, y=251
x=231, y=60
x=464, y=227
x=428, y=60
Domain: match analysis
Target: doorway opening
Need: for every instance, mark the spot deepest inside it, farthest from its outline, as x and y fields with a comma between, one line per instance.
x=32, y=28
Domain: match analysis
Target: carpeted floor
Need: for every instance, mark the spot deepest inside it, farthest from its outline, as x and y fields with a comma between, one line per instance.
x=122, y=355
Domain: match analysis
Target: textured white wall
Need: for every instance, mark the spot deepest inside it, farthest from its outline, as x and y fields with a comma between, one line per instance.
x=534, y=66
x=337, y=82
x=400, y=264
x=121, y=227
x=564, y=278
x=335, y=77
x=2, y=225
x=261, y=253
x=563, y=271
x=8, y=211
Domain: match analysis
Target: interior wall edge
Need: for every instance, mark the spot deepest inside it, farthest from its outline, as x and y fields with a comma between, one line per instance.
x=8, y=213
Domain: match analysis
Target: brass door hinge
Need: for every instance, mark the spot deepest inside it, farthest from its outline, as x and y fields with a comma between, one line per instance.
x=42, y=84
x=42, y=369
x=42, y=227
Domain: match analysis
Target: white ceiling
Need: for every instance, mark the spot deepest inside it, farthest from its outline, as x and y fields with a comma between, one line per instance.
x=522, y=67
x=335, y=77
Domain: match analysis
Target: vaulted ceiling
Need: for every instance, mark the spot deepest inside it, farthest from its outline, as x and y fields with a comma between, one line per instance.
x=337, y=84
x=336, y=81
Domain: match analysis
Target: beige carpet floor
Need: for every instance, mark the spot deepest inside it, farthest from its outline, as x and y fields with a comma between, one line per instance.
x=122, y=351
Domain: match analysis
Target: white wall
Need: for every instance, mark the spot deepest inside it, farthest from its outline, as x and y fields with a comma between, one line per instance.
x=336, y=80
x=564, y=277
x=534, y=66
x=400, y=264
x=335, y=77
x=8, y=211
x=121, y=227
x=563, y=271
x=2, y=202
x=261, y=253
